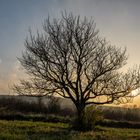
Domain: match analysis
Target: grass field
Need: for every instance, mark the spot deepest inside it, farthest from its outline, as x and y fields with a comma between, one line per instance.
x=27, y=130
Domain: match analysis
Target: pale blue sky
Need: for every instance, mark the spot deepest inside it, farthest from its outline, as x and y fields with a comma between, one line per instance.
x=117, y=20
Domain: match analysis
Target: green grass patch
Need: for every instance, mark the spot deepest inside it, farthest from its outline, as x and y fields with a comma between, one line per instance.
x=28, y=130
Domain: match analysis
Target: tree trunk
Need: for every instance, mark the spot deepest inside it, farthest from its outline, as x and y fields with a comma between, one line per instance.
x=80, y=116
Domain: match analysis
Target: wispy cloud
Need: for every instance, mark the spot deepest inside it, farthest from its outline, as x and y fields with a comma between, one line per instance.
x=13, y=77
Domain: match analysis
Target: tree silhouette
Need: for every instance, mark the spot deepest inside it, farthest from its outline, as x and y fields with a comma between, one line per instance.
x=71, y=60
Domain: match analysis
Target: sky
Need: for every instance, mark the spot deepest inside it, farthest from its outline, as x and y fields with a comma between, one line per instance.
x=117, y=20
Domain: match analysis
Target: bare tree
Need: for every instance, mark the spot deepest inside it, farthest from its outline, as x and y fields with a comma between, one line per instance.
x=71, y=60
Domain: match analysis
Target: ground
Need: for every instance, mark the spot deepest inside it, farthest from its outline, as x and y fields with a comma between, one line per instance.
x=28, y=130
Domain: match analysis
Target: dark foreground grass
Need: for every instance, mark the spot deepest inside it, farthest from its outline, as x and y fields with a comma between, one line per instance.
x=27, y=130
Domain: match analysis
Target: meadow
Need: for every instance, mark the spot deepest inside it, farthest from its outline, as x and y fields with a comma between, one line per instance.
x=28, y=130
x=21, y=120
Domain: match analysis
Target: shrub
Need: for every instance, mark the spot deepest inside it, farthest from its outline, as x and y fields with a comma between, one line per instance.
x=67, y=112
x=91, y=116
x=20, y=105
x=120, y=113
x=53, y=106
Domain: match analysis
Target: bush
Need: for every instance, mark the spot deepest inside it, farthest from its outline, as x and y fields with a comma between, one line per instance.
x=53, y=106
x=121, y=114
x=20, y=105
x=90, y=117
x=67, y=112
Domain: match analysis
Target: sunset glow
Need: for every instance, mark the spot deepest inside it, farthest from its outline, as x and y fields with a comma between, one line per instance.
x=117, y=20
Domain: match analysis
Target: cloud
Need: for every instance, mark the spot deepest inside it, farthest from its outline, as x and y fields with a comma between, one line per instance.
x=13, y=77
x=16, y=73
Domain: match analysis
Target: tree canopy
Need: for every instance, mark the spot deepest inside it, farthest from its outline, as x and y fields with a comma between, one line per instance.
x=71, y=60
